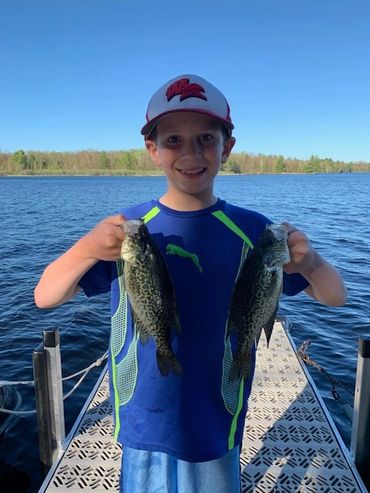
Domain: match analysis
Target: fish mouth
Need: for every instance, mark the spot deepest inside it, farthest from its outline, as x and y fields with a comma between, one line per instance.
x=280, y=231
x=132, y=226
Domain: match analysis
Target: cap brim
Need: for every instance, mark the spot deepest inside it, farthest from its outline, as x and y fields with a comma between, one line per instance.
x=149, y=127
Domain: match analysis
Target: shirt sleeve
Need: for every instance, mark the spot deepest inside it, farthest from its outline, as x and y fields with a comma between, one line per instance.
x=294, y=284
x=98, y=279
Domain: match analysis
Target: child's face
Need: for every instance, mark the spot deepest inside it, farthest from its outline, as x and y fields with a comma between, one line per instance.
x=190, y=148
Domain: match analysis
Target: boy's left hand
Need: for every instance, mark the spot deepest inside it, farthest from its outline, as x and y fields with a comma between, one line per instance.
x=326, y=284
x=302, y=253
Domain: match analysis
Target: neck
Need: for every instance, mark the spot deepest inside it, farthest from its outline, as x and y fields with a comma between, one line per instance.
x=184, y=202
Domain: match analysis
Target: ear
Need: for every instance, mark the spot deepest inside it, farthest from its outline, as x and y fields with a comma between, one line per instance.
x=228, y=145
x=152, y=148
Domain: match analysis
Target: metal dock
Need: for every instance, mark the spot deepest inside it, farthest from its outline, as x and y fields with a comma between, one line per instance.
x=290, y=442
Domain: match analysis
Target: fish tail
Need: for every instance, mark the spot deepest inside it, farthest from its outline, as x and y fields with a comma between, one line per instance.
x=168, y=362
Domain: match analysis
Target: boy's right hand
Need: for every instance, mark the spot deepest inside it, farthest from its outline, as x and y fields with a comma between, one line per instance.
x=105, y=240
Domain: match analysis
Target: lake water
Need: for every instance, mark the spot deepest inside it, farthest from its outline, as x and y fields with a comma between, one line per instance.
x=42, y=217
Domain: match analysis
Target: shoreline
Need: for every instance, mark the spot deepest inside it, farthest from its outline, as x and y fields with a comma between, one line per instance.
x=154, y=175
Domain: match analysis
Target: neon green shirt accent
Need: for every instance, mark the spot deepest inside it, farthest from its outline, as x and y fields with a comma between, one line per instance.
x=231, y=225
x=234, y=422
x=151, y=214
x=115, y=348
x=172, y=249
x=116, y=400
x=221, y=216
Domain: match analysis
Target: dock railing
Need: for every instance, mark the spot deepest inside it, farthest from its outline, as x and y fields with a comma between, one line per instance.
x=360, y=439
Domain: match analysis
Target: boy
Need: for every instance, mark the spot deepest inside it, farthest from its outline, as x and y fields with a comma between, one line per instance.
x=182, y=433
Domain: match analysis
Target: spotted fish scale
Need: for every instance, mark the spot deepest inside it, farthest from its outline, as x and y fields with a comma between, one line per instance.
x=151, y=294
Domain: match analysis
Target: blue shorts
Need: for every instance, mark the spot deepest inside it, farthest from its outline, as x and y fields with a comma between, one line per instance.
x=157, y=472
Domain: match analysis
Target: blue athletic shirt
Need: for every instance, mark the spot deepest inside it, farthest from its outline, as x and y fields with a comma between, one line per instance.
x=198, y=416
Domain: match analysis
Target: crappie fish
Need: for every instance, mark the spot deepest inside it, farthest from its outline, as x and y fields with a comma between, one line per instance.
x=150, y=291
x=254, y=301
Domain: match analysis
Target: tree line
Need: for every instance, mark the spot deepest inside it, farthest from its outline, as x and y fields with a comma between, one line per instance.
x=138, y=162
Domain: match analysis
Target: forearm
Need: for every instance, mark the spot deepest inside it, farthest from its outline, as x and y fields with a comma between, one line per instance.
x=59, y=281
x=326, y=284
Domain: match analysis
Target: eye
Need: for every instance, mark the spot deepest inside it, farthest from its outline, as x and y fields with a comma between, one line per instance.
x=207, y=138
x=173, y=139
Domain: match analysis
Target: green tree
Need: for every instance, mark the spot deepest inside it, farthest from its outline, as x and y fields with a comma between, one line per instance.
x=104, y=160
x=31, y=162
x=262, y=163
x=19, y=159
x=280, y=165
x=234, y=167
x=126, y=160
x=313, y=165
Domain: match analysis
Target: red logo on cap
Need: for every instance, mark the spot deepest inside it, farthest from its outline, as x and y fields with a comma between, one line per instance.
x=185, y=90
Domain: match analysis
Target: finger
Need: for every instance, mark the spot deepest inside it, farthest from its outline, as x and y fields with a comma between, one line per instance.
x=290, y=227
x=117, y=220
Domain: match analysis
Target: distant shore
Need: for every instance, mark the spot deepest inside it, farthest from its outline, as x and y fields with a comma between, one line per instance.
x=159, y=173
x=156, y=175
x=137, y=162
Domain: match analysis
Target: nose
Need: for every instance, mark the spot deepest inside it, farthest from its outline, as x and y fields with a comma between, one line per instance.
x=192, y=147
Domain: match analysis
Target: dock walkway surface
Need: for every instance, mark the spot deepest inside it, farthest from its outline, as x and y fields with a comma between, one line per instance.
x=290, y=442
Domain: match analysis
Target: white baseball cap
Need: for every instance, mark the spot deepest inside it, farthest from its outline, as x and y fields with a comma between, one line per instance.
x=187, y=93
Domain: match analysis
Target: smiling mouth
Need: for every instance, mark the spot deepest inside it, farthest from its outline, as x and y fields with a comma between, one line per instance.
x=192, y=172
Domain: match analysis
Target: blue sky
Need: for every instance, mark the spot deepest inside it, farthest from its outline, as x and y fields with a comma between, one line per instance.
x=78, y=74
